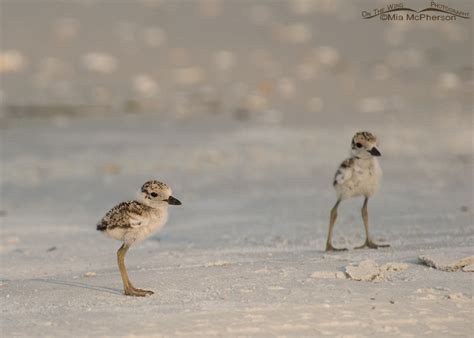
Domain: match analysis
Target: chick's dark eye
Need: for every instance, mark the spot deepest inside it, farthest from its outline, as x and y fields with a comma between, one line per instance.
x=358, y=145
x=154, y=194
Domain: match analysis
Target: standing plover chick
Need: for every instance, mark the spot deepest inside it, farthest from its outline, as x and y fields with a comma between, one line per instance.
x=133, y=221
x=358, y=175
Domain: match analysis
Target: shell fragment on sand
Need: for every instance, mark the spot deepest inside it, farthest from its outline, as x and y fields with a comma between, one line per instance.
x=448, y=263
x=368, y=270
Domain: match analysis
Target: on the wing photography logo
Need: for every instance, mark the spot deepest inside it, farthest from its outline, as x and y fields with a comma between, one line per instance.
x=398, y=12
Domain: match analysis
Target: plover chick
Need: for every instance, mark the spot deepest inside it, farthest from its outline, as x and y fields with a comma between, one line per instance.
x=358, y=175
x=133, y=221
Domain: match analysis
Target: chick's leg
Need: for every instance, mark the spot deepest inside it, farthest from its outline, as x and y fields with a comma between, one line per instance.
x=369, y=243
x=332, y=221
x=129, y=289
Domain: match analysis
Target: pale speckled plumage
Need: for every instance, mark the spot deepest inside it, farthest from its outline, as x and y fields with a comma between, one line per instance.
x=357, y=177
x=360, y=174
x=133, y=221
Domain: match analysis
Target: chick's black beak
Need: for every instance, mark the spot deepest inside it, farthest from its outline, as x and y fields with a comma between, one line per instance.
x=173, y=201
x=375, y=152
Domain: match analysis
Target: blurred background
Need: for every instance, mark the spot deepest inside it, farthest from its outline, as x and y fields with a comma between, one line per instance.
x=245, y=108
x=243, y=59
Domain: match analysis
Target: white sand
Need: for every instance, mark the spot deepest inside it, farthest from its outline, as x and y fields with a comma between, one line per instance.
x=243, y=255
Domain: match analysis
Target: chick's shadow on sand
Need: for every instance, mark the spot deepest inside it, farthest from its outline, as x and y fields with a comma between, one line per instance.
x=80, y=285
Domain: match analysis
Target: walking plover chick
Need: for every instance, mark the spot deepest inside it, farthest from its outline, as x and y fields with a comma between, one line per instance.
x=133, y=221
x=358, y=175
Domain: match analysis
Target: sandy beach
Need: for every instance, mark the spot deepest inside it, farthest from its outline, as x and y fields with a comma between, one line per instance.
x=244, y=255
